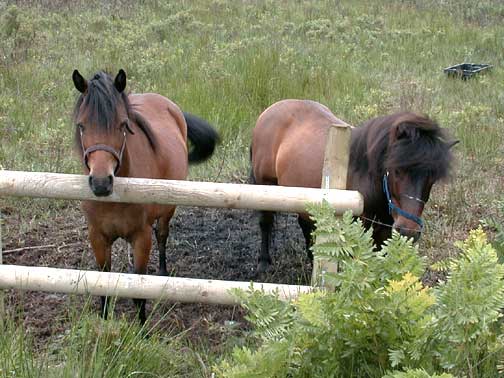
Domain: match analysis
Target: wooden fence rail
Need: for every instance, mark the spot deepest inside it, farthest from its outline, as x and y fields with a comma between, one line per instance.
x=182, y=193
x=188, y=290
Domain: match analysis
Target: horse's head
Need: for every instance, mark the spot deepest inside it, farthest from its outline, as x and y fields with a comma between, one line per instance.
x=101, y=117
x=415, y=153
x=406, y=197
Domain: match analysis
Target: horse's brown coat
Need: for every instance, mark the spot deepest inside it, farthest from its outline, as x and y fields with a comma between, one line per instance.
x=288, y=146
x=154, y=132
x=289, y=138
x=168, y=161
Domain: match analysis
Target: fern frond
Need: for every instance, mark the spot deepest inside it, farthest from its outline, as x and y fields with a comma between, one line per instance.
x=271, y=316
x=469, y=302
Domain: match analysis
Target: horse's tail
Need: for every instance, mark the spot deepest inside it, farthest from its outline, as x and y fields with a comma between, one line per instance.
x=203, y=137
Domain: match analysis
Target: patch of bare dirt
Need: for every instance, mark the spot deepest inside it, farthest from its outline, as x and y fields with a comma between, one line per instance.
x=204, y=243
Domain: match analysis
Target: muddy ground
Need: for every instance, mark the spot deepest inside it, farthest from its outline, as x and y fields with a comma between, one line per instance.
x=204, y=243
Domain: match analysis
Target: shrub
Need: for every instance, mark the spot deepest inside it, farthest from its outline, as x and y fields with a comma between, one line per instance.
x=380, y=317
x=17, y=32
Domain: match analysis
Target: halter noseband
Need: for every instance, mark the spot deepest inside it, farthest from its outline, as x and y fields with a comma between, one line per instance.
x=103, y=147
x=392, y=207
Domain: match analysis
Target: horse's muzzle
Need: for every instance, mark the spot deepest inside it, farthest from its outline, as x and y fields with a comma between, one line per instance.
x=101, y=186
x=408, y=232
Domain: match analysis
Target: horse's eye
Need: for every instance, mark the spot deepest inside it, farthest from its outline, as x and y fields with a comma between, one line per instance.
x=81, y=127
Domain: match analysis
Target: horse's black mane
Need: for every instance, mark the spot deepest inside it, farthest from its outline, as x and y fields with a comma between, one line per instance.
x=403, y=140
x=101, y=100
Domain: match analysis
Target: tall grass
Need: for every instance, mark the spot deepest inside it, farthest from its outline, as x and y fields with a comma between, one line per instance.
x=228, y=61
x=93, y=347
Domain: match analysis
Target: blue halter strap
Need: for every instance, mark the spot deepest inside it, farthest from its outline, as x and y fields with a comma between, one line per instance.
x=393, y=207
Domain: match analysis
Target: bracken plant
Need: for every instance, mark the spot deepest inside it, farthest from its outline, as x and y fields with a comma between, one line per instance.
x=380, y=320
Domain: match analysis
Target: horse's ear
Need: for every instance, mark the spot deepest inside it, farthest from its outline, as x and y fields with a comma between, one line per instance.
x=453, y=143
x=79, y=82
x=120, y=81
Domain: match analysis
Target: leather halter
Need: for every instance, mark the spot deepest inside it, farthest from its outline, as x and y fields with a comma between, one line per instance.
x=103, y=147
x=392, y=207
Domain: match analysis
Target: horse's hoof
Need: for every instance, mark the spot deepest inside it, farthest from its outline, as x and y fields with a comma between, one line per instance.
x=262, y=267
x=163, y=273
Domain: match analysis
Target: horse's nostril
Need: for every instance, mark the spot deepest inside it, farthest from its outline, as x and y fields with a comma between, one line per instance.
x=111, y=179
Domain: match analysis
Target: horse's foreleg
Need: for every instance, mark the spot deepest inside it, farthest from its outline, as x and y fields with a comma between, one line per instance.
x=142, y=243
x=307, y=226
x=162, y=232
x=102, y=248
x=266, y=224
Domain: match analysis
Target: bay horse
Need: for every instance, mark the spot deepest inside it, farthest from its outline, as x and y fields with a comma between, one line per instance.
x=394, y=162
x=132, y=135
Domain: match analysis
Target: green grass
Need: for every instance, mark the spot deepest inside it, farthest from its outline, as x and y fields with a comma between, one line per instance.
x=92, y=347
x=226, y=61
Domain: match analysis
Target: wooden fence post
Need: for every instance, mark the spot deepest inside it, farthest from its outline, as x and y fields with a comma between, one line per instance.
x=334, y=176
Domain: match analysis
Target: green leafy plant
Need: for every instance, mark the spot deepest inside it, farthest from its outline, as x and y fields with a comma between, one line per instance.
x=415, y=373
x=468, y=331
x=380, y=317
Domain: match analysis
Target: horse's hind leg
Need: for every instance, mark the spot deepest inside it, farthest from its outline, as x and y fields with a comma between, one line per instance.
x=266, y=219
x=162, y=232
x=142, y=243
x=102, y=248
x=307, y=226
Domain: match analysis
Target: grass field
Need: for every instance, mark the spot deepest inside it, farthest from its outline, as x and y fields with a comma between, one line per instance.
x=226, y=61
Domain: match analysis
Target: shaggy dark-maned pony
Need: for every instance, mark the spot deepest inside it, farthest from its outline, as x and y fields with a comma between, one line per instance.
x=394, y=161
x=135, y=135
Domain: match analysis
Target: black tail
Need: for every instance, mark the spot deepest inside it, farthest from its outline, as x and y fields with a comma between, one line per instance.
x=252, y=179
x=203, y=137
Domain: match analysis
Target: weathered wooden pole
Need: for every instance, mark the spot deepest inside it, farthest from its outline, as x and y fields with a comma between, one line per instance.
x=175, y=289
x=182, y=193
x=334, y=176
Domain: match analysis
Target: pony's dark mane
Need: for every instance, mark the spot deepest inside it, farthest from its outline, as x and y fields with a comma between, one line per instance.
x=401, y=141
x=101, y=99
